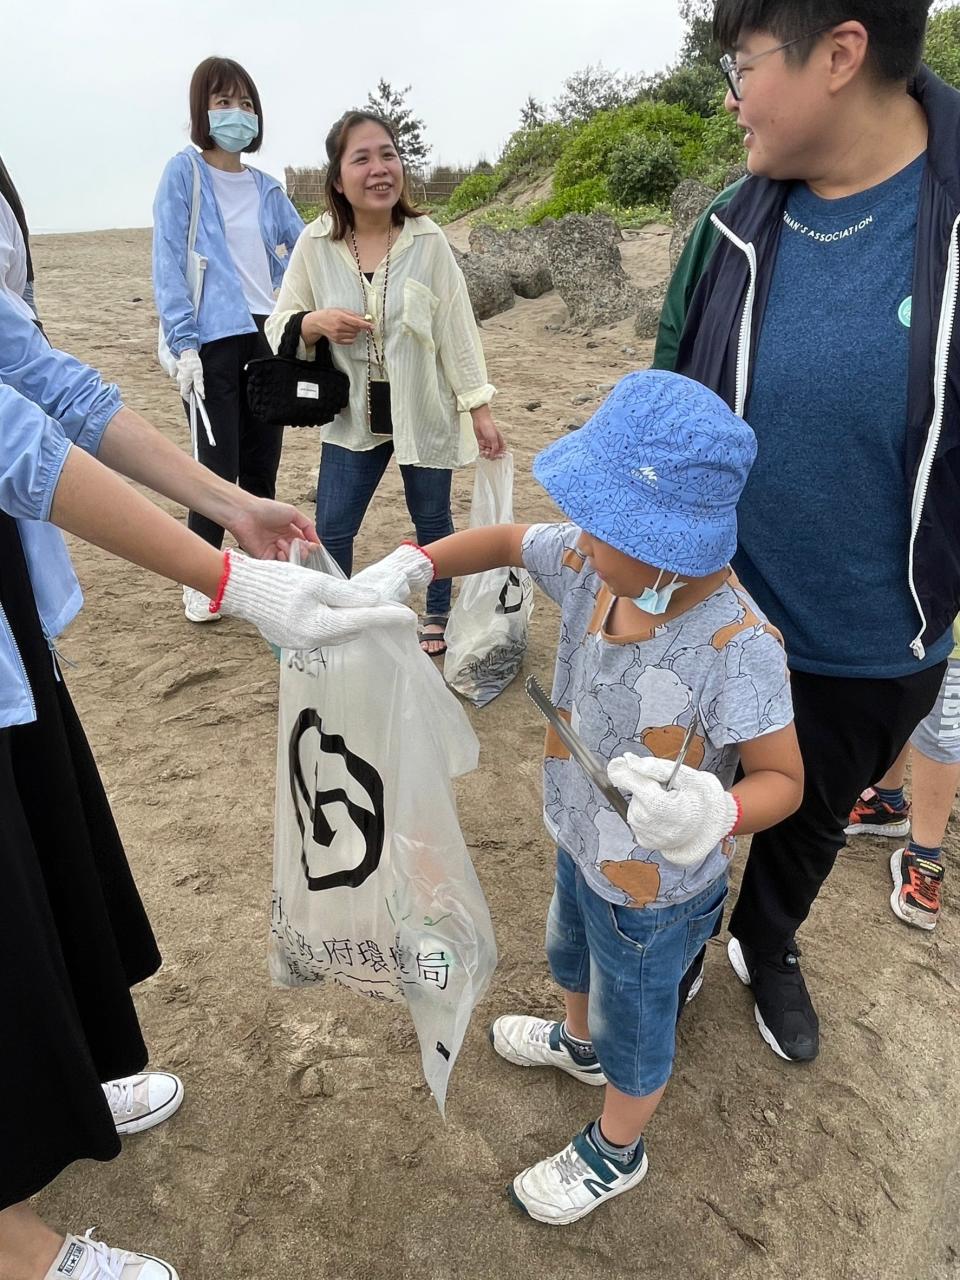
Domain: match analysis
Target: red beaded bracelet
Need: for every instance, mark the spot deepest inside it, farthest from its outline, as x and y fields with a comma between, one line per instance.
x=217, y=600
x=739, y=817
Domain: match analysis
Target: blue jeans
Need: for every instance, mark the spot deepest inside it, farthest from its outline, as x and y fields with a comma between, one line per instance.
x=348, y=480
x=631, y=961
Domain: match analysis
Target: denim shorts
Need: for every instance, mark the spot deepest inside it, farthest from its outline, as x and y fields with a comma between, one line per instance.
x=631, y=961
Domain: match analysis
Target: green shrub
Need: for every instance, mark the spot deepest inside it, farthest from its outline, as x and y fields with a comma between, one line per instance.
x=533, y=150
x=644, y=170
x=478, y=189
x=503, y=217
x=722, y=146
x=583, y=198
x=588, y=153
x=635, y=216
x=308, y=212
x=942, y=53
x=694, y=86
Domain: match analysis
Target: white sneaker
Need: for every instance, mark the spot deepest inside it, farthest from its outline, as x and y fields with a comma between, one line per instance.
x=83, y=1258
x=140, y=1102
x=570, y=1185
x=534, y=1042
x=196, y=606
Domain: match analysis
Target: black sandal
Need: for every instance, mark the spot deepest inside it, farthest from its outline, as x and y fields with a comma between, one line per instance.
x=433, y=637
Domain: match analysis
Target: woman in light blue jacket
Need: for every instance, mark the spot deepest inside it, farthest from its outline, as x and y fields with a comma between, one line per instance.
x=73, y=933
x=245, y=221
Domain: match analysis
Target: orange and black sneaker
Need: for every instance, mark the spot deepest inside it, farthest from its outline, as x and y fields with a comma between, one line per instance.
x=916, y=889
x=871, y=816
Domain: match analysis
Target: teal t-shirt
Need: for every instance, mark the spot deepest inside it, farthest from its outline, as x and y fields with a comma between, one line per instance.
x=825, y=515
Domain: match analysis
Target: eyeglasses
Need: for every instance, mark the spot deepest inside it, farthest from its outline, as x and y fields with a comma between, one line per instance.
x=734, y=74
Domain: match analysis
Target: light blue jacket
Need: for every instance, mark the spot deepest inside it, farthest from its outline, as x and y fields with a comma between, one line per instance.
x=48, y=403
x=223, y=308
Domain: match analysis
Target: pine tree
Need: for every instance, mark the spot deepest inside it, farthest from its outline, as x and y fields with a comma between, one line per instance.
x=698, y=45
x=409, y=129
x=532, y=114
x=593, y=89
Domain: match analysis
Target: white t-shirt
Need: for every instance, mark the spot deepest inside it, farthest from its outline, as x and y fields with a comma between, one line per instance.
x=239, y=199
x=13, y=258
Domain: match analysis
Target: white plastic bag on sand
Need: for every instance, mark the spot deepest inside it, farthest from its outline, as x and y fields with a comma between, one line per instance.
x=373, y=887
x=487, y=629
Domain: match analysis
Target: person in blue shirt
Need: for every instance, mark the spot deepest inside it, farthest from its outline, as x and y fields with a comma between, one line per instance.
x=818, y=297
x=73, y=933
x=246, y=230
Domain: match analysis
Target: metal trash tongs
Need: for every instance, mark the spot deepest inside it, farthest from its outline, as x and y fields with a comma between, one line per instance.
x=574, y=744
x=585, y=757
x=196, y=405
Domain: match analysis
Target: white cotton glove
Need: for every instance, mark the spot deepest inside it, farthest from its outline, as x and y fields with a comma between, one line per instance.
x=190, y=374
x=398, y=574
x=298, y=608
x=683, y=824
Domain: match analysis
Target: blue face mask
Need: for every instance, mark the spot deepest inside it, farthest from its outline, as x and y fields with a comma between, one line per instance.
x=233, y=129
x=656, y=599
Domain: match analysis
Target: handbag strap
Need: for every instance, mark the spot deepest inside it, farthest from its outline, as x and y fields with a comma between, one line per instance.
x=194, y=207
x=291, y=336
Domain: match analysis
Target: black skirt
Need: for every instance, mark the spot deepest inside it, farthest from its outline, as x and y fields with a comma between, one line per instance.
x=73, y=933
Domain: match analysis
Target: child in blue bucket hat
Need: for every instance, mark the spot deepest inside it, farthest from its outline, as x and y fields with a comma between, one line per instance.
x=655, y=632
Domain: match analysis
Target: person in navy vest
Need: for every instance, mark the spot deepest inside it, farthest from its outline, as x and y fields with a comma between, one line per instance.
x=818, y=297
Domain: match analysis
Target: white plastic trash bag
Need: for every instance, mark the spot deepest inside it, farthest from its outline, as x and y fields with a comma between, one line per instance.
x=487, y=630
x=373, y=887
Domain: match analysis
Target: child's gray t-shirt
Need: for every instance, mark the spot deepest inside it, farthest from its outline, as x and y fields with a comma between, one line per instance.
x=637, y=695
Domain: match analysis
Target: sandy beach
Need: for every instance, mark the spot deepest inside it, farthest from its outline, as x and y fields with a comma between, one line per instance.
x=308, y=1145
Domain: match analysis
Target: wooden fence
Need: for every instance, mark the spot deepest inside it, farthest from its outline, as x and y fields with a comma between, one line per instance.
x=431, y=186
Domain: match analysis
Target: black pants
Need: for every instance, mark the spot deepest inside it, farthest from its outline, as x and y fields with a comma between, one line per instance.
x=247, y=451
x=850, y=733
x=73, y=934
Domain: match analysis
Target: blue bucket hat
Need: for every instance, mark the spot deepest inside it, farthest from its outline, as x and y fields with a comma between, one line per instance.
x=656, y=472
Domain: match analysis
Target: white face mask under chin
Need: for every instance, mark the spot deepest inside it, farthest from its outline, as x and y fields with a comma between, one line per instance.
x=656, y=599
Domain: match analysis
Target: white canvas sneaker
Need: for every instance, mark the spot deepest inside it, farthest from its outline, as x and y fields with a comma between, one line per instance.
x=83, y=1258
x=534, y=1042
x=140, y=1102
x=570, y=1185
x=196, y=606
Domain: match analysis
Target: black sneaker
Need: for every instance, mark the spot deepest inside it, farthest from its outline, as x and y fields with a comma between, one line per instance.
x=783, y=1010
x=692, y=981
x=871, y=816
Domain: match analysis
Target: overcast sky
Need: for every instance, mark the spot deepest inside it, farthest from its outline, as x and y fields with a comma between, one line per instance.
x=94, y=96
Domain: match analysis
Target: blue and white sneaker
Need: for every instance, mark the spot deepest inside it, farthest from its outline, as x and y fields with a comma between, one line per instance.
x=535, y=1042
x=570, y=1185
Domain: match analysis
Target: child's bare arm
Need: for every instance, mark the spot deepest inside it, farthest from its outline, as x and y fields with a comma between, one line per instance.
x=412, y=568
x=772, y=787
x=495, y=547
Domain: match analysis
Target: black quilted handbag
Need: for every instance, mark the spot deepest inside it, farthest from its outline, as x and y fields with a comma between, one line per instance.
x=287, y=392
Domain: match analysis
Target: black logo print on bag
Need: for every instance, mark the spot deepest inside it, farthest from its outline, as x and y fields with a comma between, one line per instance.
x=369, y=824
x=511, y=597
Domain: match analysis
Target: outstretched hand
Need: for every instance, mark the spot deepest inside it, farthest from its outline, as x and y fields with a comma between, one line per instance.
x=298, y=608
x=267, y=530
x=402, y=571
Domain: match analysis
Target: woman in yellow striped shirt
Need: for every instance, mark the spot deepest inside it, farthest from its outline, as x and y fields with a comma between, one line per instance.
x=378, y=279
